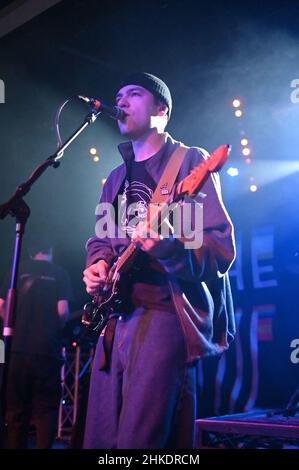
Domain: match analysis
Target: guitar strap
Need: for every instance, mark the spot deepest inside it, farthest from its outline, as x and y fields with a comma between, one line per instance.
x=166, y=182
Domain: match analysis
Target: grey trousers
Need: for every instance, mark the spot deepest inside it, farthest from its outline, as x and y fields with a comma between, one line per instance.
x=147, y=399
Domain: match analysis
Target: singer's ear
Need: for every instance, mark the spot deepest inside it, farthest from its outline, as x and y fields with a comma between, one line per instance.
x=162, y=109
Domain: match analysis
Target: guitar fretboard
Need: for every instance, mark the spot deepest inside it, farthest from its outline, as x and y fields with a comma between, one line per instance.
x=125, y=256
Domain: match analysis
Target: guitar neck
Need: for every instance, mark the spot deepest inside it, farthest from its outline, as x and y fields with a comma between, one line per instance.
x=156, y=219
x=124, y=261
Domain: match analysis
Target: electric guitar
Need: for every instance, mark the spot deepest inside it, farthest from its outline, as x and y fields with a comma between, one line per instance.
x=113, y=297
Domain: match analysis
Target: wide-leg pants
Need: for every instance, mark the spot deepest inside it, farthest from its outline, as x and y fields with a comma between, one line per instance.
x=147, y=398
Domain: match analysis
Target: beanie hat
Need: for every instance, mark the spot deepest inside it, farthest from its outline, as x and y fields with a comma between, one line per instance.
x=151, y=83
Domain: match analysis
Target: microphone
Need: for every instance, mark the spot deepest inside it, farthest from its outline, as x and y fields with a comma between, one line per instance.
x=112, y=111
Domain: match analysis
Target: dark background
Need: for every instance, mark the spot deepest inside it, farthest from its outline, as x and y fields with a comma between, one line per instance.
x=208, y=53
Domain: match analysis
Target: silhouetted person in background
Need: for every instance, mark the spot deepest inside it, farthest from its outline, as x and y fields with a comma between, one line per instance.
x=34, y=384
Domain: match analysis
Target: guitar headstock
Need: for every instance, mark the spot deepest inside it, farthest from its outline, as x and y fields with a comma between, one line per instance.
x=217, y=158
x=193, y=182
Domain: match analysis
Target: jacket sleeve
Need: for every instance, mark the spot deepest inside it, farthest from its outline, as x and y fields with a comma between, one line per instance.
x=99, y=248
x=217, y=251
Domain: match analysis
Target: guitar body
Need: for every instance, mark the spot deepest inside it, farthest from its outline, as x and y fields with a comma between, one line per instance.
x=113, y=299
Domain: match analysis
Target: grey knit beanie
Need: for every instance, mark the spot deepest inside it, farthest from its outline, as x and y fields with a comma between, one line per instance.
x=151, y=83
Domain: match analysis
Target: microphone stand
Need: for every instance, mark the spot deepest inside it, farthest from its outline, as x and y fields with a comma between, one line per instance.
x=17, y=208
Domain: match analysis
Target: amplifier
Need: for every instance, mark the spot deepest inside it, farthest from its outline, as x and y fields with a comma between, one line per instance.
x=260, y=429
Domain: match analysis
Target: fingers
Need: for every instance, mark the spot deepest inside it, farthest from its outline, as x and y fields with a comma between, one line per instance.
x=96, y=272
x=95, y=277
x=93, y=284
x=92, y=291
x=90, y=276
x=93, y=288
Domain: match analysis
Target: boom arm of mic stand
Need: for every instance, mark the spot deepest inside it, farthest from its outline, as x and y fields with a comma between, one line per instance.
x=53, y=160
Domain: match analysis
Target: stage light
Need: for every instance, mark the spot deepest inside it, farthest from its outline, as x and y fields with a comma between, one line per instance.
x=238, y=113
x=233, y=171
x=246, y=151
x=248, y=161
x=236, y=103
x=279, y=170
x=74, y=344
x=96, y=158
x=93, y=151
x=104, y=180
x=244, y=142
x=253, y=188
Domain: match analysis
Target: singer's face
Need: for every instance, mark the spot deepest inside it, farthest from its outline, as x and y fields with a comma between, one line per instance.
x=140, y=106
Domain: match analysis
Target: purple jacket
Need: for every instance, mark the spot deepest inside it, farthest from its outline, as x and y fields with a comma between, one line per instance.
x=198, y=278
